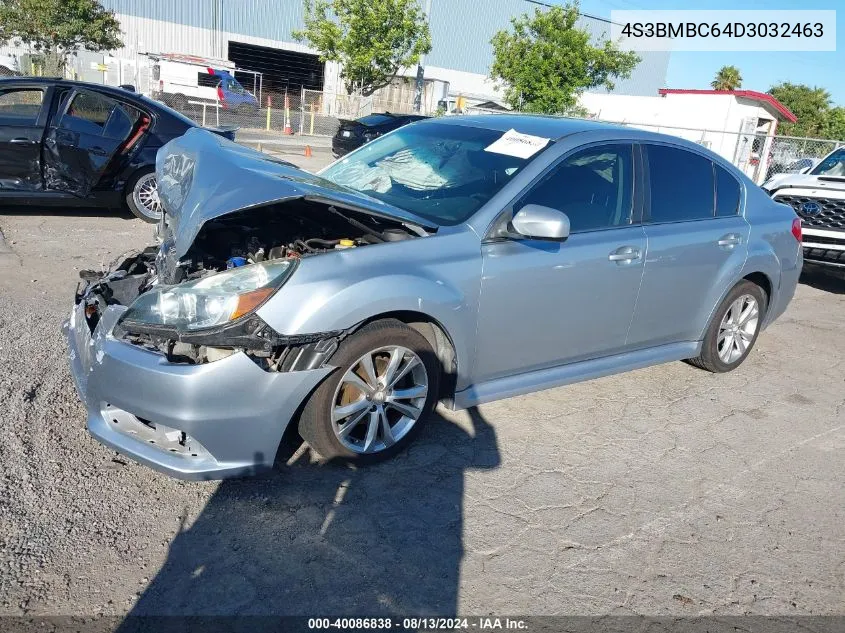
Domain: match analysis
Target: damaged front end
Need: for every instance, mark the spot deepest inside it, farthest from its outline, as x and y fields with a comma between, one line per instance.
x=175, y=365
x=222, y=256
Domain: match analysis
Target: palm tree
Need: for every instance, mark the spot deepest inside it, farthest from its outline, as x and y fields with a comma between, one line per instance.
x=728, y=78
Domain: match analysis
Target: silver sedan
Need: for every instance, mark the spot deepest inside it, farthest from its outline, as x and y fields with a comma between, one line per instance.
x=456, y=260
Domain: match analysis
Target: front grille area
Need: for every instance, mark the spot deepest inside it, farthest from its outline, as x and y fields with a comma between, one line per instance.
x=832, y=215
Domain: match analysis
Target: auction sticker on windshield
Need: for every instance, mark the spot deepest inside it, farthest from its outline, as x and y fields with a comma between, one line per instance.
x=512, y=143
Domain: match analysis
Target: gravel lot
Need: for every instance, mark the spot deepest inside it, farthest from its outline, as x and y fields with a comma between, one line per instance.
x=663, y=491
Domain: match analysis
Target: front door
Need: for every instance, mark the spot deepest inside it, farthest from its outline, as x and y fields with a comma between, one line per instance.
x=89, y=129
x=697, y=244
x=549, y=303
x=22, y=120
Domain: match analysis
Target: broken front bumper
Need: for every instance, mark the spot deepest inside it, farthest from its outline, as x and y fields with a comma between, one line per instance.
x=209, y=421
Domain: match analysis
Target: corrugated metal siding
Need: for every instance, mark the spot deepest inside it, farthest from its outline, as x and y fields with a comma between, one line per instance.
x=272, y=19
x=200, y=13
x=461, y=31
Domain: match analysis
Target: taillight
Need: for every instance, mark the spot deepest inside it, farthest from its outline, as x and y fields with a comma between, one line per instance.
x=220, y=94
x=796, y=229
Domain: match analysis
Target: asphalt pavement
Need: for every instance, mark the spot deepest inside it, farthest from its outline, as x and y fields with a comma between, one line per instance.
x=664, y=491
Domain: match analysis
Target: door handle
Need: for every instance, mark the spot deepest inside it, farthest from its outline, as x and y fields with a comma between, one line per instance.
x=98, y=151
x=22, y=141
x=624, y=254
x=730, y=240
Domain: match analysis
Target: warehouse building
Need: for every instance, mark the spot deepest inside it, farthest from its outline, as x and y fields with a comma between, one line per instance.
x=256, y=35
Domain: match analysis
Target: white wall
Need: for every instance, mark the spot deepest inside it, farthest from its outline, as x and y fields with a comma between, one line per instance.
x=713, y=120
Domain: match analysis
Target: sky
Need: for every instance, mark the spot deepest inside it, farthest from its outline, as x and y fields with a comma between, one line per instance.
x=760, y=70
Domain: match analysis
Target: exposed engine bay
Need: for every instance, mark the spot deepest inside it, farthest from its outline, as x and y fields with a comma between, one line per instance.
x=299, y=229
x=283, y=232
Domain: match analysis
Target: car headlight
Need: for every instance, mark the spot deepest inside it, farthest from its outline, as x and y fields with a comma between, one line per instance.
x=210, y=301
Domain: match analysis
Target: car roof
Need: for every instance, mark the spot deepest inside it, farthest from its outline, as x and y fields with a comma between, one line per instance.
x=58, y=81
x=114, y=91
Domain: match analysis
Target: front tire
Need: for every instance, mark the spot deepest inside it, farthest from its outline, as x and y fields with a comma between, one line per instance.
x=376, y=402
x=734, y=329
x=142, y=196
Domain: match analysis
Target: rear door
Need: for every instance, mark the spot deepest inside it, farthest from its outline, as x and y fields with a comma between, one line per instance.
x=89, y=130
x=22, y=119
x=697, y=244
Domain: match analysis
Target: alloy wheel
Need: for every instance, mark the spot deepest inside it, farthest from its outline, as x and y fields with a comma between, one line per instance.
x=737, y=329
x=379, y=399
x=145, y=196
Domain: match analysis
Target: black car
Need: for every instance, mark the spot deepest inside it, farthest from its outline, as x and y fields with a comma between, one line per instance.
x=353, y=134
x=79, y=144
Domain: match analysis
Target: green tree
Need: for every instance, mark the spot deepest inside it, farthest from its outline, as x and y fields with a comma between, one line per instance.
x=811, y=106
x=546, y=62
x=59, y=28
x=372, y=39
x=728, y=78
x=835, y=124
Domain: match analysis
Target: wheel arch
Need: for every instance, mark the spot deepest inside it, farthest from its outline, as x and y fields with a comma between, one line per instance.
x=438, y=337
x=762, y=280
x=757, y=277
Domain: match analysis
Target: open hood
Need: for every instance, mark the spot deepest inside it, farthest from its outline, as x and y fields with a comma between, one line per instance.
x=202, y=176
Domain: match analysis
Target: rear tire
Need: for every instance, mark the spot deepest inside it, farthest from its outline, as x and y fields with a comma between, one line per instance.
x=141, y=196
x=368, y=411
x=734, y=329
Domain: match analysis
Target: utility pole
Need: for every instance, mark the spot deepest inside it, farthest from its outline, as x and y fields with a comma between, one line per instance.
x=420, y=84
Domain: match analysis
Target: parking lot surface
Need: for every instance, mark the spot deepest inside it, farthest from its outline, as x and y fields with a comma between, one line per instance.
x=668, y=490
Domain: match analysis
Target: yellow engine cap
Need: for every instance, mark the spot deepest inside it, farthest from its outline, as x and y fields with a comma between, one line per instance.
x=346, y=243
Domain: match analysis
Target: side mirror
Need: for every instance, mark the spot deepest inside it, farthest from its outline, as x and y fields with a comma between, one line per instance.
x=541, y=223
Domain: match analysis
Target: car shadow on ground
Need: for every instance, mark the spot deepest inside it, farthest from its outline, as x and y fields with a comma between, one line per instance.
x=828, y=281
x=34, y=210
x=329, y=539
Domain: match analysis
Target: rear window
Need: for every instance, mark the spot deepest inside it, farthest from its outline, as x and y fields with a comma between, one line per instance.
x=374, y=119
x=682, y=184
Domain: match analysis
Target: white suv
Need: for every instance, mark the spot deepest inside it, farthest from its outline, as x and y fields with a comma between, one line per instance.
x=818, y=197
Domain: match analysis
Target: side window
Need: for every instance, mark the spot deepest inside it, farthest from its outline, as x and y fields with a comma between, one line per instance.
x=87, y=113
x=682, y=185
x=121, y=121
x=727, y=193
x=593, y=187
x=96, y=114
x=20, y=107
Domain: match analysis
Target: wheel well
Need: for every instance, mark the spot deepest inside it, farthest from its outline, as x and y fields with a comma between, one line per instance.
x=130, y=181
x=761, y=280
x=438, y=338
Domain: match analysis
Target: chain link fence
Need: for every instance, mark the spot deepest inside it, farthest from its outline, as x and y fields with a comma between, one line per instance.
x=759, y=156
x=313, y=116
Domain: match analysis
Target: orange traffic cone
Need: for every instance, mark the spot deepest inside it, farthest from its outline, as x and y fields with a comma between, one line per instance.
x=307, y=151
x=288, y=129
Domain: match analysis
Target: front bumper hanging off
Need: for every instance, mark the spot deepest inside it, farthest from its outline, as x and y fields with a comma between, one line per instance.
x=210, y=421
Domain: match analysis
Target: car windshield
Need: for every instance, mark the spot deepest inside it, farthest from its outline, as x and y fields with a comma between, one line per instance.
x=832, y=165
x=443, y=173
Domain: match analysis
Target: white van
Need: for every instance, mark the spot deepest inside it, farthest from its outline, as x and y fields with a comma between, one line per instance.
x=179, y=79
